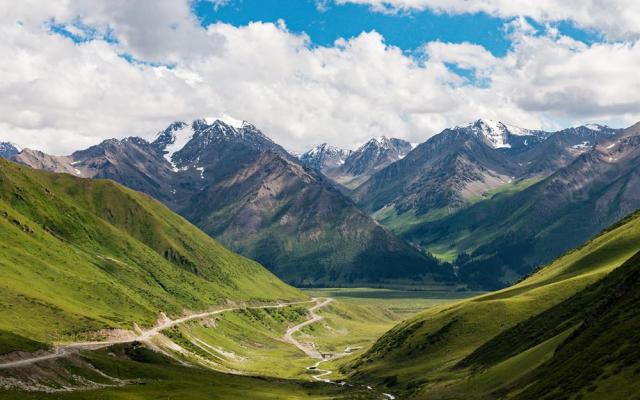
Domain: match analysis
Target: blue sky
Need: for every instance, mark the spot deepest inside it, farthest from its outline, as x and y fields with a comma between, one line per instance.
x=407, y=30
x=90, y=70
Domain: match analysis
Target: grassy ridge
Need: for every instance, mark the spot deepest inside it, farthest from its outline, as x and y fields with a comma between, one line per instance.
x=426, y=353
x=604, y=325
x=79, y=255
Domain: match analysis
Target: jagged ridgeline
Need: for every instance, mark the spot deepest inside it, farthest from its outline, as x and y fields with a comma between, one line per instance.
x=79, y=255
x=245, y=190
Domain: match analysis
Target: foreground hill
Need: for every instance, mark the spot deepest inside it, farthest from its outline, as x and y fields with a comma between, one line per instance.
x=79, y=255
x=570, y=329
x=240, y=187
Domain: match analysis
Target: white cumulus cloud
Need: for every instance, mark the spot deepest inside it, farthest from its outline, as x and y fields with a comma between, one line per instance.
x=59, y=96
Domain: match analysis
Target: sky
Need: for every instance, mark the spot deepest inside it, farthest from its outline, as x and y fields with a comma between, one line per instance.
x=76, y=72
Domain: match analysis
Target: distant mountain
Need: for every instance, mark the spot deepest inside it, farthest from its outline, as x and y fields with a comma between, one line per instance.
x=325, y=158
x=571, y=328
x=262, y=202
x=499, y=135
x=236, y=184
x=8, y=149
x=375, y=154
x=560, y=148
x=510, y=234
x=460, y=165
x=81, y=255
x=350, y=168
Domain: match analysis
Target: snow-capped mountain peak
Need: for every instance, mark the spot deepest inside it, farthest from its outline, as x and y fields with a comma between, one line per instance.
x=383, y=144
x=380, y=140
x=228, y=120
x=200, y=133
x=324, y=156
x=496, y=133
x=8, y=149
x=604, y=129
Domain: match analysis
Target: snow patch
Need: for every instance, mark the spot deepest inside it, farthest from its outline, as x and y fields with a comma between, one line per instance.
x=495, y=132
x=179, y=138
x=582, y=146
x=227, y=119
x=594, y=127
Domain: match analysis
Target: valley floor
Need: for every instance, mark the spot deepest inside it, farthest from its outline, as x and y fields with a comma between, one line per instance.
x=274, y=351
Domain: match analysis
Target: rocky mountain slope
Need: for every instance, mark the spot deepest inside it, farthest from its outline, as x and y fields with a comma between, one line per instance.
x=266, y=205
x=81, y=255
x=510, y=234
x=350, y=168
x=459, y=165
x=325, y=158
x=568, y=329
x=377, y=153
x=242, y=188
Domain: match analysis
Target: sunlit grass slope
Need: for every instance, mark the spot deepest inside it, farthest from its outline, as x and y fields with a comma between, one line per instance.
x=151, y=375
x=424, y=354
x=78, y=255
x=248, y=340
x=598, y=356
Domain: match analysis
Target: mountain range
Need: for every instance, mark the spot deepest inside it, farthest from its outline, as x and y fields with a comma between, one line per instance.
x=459, y=165
x=489, y=200
x=81, y=257
x=240, y=187
x=449, y=195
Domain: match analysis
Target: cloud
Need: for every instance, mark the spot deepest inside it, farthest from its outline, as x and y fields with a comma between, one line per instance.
x=163, y=31
x=59, y=96
x=217, y=4
x=617, y=19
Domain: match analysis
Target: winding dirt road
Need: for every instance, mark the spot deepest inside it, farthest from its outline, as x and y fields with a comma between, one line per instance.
x=288, y=336
x=144, y=336
x=315, y=354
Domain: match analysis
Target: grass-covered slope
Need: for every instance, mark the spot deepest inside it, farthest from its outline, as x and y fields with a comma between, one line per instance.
x=133, y=372
x=79, y=255
x=455, y=351
x=600, y=358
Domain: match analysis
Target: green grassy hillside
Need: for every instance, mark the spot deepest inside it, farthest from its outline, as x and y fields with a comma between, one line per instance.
x=133, y=372
x=79, y=255
x=599, y=356
x=446, y=352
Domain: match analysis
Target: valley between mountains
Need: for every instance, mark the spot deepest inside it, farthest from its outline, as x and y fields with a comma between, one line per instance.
x=488, y=262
